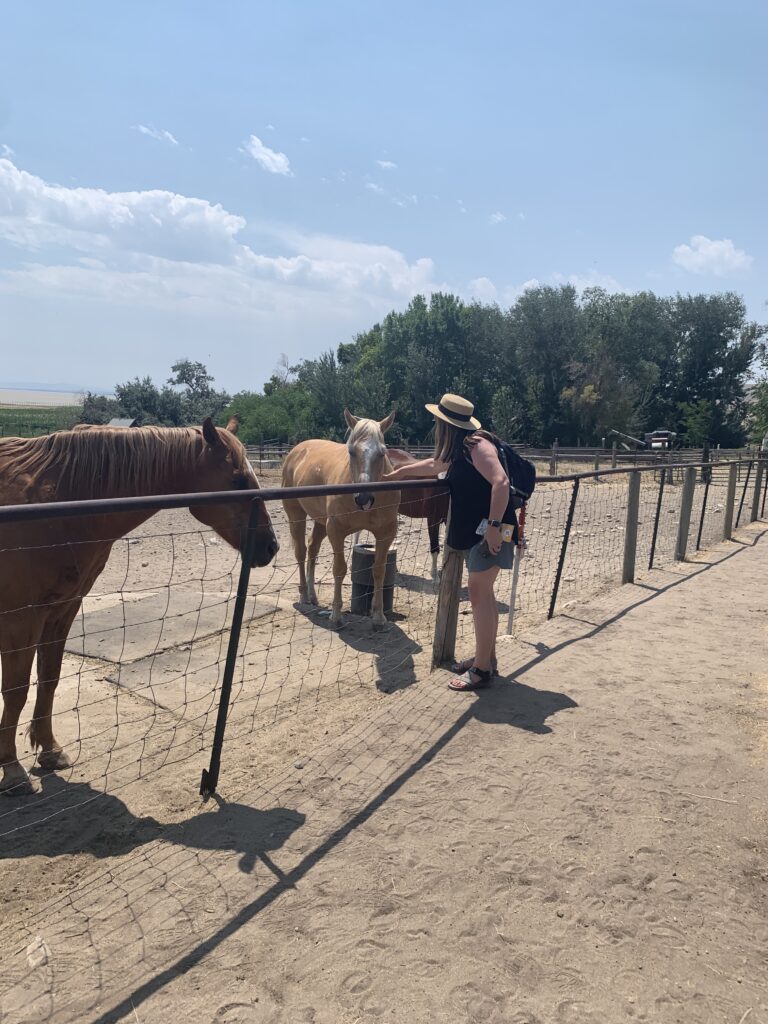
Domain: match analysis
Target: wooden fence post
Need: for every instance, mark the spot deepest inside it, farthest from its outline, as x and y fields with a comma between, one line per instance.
x=730, y=498
x=759, y=470
x=613, y=456
x=553, y=459
x=686, y=506
x=630, y=533
x=444, y=644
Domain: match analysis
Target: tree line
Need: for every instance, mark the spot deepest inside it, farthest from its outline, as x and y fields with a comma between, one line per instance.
x=555, y=365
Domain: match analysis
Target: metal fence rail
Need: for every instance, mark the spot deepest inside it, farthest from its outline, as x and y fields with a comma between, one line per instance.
x=182, y=644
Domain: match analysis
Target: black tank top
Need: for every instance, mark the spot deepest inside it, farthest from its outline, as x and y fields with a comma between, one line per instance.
x=470, y=504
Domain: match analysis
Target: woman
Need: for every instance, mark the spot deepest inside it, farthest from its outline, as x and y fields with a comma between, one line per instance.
x=480, y=492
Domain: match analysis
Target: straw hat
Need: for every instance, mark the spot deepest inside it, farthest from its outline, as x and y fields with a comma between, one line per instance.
x=455, y=410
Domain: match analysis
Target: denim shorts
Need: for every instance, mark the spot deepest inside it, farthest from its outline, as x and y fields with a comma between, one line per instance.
x=479, y=558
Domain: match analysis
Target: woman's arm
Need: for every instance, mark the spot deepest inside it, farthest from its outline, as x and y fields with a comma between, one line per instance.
x=417, y=470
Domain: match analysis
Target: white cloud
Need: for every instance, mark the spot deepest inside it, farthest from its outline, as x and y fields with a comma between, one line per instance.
x=592, y=279
x=386, y=165
x=497, y=218
x=303, y=139
x=6, y=150
x=34, y=213
x=401, y=199
x=708, y=256
x=521, y=216
x=156, y=133
x=270, y=127
x=168, y=250
x=461, y=206
x=266, y=158
x=483, y=289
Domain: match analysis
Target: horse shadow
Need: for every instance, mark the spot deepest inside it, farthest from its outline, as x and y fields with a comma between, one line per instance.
x=100, y=824
x=392, y=648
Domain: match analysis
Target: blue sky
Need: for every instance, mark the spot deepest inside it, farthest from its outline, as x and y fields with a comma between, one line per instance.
x=230, y=182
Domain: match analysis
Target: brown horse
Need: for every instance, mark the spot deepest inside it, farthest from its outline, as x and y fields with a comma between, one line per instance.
x=430, y=503
x=361, y=460
x=49, y=565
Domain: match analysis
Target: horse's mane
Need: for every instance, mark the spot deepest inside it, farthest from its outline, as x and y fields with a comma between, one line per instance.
x=364, y=429
x=105, y=461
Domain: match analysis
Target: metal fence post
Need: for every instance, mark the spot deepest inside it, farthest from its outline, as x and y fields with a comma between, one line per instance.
x=446, y=622
x=744, y=492
x=765, y=492
x=613, y=456
x=759, y=469
x=662, y=480
x=730, y=497
x=210, y=776
x=703, y=510
x=630, y=533
x=686, y=507
x=563, y=548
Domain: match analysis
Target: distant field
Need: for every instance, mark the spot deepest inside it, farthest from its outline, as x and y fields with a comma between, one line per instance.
x=22, y=421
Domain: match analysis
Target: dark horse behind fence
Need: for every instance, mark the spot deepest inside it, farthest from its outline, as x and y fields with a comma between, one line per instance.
x=430, y=503
x=47, y=566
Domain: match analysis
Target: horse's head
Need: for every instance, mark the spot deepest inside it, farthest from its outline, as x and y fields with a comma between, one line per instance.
x=224, y=466
x=367, y=453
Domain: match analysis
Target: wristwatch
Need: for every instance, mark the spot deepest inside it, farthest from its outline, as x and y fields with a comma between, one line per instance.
x=495, y=522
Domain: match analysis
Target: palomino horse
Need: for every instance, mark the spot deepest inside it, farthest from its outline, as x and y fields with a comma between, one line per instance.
x=49, y=565
x=361, y=460
x=430, y=503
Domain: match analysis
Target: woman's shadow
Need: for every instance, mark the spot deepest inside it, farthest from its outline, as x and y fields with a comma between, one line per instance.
x=100, y=824
x=508, y=702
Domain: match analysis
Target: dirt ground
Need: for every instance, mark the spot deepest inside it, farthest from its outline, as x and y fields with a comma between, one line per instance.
x=583, y=842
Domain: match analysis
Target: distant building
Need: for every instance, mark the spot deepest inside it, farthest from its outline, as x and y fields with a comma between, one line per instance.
x=117, y=422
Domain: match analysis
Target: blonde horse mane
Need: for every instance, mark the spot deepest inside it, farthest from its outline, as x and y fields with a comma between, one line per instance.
x=364, y=429
x=105, y=461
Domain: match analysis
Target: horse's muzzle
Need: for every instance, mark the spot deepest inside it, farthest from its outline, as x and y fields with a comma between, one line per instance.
x=265, y=551
x=364, y=500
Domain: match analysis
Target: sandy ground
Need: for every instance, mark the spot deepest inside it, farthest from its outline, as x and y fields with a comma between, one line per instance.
x=583, y=842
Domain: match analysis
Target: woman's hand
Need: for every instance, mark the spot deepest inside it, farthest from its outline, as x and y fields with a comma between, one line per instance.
x=493, y=539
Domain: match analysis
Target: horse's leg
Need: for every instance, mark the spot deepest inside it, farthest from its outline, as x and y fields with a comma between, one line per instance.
x=17, y=666
x=383, y=544
x=433, y=528
x=50, y=653
x=318, y=535
x=297, y=522
x=337, y=537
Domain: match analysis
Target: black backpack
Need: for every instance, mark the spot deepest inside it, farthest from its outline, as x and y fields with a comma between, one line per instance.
x=521, y=473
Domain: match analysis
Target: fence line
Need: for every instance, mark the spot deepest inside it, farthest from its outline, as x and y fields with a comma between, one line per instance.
x=158, y=638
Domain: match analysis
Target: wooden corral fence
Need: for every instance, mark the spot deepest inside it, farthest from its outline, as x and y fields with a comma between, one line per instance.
x=269, y=455
x=252, y=655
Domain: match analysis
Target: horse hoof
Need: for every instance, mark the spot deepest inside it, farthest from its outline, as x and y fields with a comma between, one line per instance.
x=380, y=624
x=53, y=760
x=16, y=782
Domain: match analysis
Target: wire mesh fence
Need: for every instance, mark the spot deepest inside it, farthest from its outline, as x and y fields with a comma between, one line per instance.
x=144, y=660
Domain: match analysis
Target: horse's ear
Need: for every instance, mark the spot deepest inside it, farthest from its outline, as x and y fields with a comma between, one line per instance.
x=234, y=423
x=387, y=422
x=352, y=421
x=211, y=434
